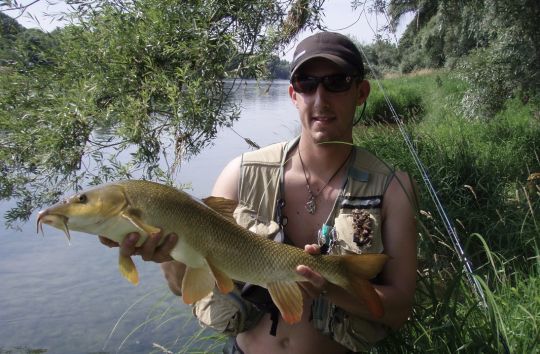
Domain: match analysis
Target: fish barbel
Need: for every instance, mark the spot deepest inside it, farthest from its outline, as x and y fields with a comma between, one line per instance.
x=214, y=248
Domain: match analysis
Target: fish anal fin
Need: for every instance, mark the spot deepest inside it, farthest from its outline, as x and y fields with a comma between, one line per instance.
x=365, y=290
x=196, y=284
x=223, y=281
x=288, y=299
x=135, y=219
x=128, y=269
x=223, y=206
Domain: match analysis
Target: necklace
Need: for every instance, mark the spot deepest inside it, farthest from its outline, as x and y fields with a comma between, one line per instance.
x=311, y=204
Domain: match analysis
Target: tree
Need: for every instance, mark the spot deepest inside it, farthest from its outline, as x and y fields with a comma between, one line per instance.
x=134, y=77
x=382, y=55
x=494, y=44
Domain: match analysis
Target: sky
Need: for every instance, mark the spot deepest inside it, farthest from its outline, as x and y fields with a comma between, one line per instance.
x=338, y=17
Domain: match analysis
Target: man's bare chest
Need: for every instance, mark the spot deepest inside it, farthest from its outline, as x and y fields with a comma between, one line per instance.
x=301, y=226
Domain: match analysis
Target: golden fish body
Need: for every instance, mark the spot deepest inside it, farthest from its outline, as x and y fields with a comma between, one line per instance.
x=213, y=247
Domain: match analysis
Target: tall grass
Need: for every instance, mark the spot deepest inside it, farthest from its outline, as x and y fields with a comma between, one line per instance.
x=480, y=171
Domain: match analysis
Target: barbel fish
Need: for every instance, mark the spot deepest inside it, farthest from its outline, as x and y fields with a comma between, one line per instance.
x=214, y=248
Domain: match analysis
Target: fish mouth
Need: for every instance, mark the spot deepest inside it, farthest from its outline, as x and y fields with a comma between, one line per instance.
x=55, y=220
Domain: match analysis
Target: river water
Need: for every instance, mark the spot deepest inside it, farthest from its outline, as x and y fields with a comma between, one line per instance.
x=57, y=297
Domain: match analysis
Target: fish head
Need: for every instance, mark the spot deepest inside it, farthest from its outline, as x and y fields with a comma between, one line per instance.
x=85, y=211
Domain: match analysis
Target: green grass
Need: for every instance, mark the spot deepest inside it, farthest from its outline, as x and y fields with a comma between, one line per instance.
x=479, y=169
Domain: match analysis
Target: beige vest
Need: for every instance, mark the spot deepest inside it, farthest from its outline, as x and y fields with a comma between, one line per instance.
x=355, y=216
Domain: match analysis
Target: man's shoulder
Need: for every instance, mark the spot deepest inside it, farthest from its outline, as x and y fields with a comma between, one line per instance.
x=368, y=161
x=271, y=154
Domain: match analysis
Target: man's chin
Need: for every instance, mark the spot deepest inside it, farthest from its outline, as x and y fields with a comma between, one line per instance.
x=324, y=138
x=329, y=138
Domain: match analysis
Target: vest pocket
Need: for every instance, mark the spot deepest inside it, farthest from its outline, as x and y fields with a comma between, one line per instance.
x=254, y=222
x=358, y=231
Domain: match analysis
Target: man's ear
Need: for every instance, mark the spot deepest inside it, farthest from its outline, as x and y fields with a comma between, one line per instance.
x=363, y=92
x=292, y=94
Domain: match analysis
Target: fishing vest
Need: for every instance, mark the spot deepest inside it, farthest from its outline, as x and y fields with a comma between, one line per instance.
x=356, y=219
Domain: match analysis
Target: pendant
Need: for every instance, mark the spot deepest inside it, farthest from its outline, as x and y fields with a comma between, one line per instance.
x=311, y=206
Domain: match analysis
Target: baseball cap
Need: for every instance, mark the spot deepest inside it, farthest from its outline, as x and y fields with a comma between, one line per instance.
x=332, y=46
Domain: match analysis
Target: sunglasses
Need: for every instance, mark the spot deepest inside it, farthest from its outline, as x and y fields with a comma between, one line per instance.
x=331, y=83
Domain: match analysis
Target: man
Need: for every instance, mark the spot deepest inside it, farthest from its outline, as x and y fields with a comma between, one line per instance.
x=319, y=193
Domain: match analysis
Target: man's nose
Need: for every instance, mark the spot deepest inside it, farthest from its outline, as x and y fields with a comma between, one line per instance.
x=321, y=94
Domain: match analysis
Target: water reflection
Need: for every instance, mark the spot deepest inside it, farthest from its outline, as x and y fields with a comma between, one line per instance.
x=71, y=299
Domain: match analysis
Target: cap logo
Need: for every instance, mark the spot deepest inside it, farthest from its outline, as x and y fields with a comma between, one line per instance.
x=299, y=55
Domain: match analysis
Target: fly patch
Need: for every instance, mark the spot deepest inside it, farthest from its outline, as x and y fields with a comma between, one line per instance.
x=363, y=228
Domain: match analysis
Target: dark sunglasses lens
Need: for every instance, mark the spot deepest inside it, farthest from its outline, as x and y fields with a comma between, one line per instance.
x=337, y=83
x=305, y=84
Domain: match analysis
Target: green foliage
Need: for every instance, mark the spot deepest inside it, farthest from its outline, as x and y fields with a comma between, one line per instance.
x=381, y=57
x=8, y=34
x=480, y=171
x=510, y=65
x=404, y=99
x=139, y=78
x=493, y=43
x=278, y=68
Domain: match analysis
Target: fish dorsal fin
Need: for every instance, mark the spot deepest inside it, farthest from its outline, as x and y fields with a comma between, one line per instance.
x=288, y=299
x=223, y=281
x=196, y=284
x=128, y=269
x=222, y=205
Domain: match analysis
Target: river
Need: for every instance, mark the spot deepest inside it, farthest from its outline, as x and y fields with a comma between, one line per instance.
x=57, y=297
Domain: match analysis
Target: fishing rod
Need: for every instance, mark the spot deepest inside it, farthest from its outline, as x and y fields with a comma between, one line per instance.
x=448, y=225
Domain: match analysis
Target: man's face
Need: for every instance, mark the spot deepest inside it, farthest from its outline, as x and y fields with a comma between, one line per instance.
x=324, y=115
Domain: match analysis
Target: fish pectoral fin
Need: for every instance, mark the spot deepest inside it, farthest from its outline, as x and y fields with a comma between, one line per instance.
x=196, y=284
x=133, y=218
x=128, y=269
x=222, y=205
x=288, y=299
x=223, y=281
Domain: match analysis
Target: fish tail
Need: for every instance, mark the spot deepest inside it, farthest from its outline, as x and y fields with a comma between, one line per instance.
x=358, y=270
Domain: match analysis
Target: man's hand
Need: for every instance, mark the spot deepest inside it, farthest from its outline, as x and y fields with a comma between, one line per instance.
x=315, y=284
x=150, y=250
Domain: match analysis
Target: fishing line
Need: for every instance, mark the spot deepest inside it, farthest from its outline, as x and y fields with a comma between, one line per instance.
x=449, y=226
x=247, y=140
x=348, y=26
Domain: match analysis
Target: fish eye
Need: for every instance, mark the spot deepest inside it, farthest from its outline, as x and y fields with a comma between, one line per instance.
x=82, y=198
